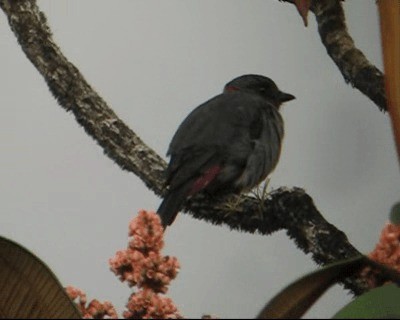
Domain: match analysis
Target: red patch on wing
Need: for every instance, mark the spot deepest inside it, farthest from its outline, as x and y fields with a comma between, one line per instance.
x=231, y=88
x=203, y=181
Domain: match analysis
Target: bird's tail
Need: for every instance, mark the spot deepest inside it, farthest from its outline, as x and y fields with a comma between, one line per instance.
x=171, y=205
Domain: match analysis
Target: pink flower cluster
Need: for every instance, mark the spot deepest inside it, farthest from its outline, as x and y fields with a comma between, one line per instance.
x=146, y=304
x=142, y=265
x=387, y=251
x=95, y=309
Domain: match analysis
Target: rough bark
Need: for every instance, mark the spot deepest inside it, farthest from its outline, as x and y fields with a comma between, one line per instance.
x=74, y=94
x=290, y=209
x=356, y=69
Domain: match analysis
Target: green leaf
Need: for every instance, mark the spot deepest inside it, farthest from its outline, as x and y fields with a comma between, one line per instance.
x=28, y=288
x=382, y=302
x=298, y=297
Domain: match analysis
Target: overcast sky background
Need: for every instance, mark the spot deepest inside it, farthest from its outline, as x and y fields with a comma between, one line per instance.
x=153, y=62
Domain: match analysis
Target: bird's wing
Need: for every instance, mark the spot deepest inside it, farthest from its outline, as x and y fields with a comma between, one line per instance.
x=266, y=137
x=225, y=131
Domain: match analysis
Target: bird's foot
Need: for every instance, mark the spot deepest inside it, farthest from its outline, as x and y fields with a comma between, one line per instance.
x=261, y=194
x=232, y=203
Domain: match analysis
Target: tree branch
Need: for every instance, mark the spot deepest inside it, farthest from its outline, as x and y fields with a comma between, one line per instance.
x=290, y=209
x=74, y=94
x=352, y=63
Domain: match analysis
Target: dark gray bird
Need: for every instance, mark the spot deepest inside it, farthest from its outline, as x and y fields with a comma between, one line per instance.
x=229, y=144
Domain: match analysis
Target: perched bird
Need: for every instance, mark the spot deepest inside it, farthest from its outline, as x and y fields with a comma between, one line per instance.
x=229, y=144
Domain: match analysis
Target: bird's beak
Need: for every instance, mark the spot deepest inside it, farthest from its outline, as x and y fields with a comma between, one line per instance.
x=283, y=97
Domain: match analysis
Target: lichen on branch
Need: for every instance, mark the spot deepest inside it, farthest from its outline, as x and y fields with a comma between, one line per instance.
x=356, y=69
x=290, y=209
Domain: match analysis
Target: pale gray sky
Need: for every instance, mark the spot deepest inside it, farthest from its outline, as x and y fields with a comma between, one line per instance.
x=153, y=62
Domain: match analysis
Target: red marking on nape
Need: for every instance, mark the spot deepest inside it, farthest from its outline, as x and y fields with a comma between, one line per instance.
x=203, y=181
x=231, y=88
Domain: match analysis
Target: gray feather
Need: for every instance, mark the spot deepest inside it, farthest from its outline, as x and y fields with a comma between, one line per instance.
x=229, y=144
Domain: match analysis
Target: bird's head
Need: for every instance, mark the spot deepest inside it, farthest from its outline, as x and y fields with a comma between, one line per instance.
x=260, y=85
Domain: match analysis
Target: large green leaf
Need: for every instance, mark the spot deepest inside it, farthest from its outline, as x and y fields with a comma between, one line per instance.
x=298, y=297
x=379, y=303
x=28, y=288
x=294, y=301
